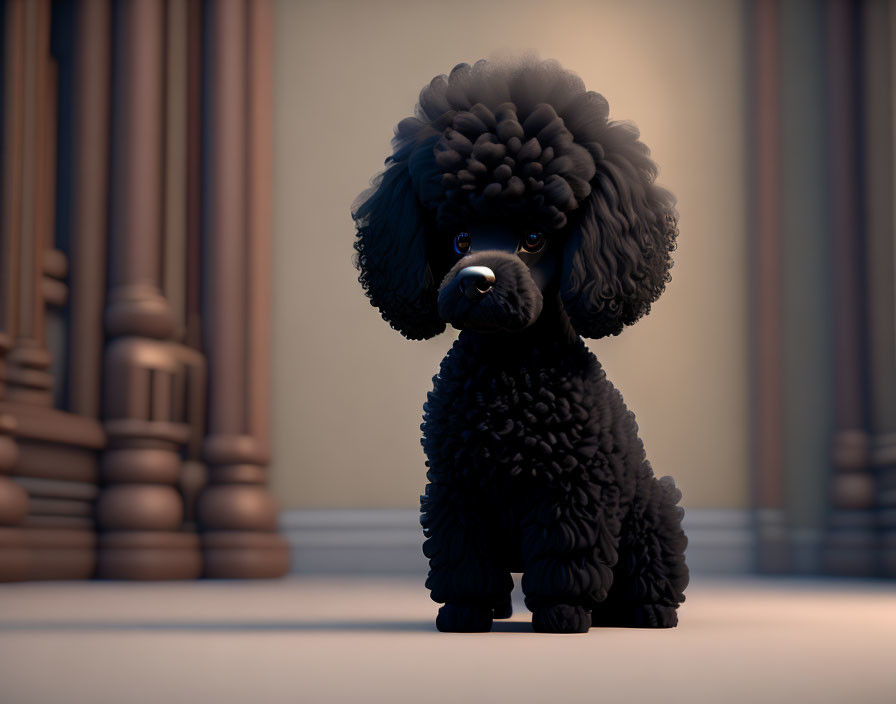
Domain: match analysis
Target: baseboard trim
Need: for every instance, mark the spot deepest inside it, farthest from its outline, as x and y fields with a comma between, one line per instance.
x=388, y=541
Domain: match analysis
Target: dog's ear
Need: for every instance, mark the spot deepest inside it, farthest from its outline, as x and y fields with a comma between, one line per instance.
x=392, y=236
x=617, y=256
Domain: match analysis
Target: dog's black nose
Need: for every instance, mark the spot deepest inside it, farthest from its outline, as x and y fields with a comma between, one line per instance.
x=474, y=281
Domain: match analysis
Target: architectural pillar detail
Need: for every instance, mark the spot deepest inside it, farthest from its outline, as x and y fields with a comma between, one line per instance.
x=92, y=47
x=773, y=545
x=851, y=545
x=140, y=510
x=14, y=554
x=879, y=54
x=236, y=513
x=28, y=376
x=58, y=447
x=13, y=500
x=53, y=286
x=156, y=258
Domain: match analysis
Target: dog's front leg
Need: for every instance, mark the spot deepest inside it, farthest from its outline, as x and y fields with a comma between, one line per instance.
x=464, y=574
x=568, y=552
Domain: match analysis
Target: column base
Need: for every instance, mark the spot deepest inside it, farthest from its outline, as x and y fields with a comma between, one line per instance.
x=13, y=502
x=15, y=557
x=149, y=555
x=60, y=554
x=850, y=556
x=773, y=556
x=885, y=460
x=852, y=546
x=244, y=555
x=773, y=548
x=888, y=554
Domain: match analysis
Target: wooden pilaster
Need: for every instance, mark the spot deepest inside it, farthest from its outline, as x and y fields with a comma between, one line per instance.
x=806, y=299
x=773, y=546
x=189, y=63
x=14, y=555
x=879, y=53
x=851, y=542
x=58, y=534
x=92, y=48
x=236, y=513
x=140, y=511
x=28, y=378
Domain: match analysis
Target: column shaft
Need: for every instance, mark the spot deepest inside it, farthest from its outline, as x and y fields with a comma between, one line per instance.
x=773, y=549
x=237, y=515
x=140, y=510
x=851, y=543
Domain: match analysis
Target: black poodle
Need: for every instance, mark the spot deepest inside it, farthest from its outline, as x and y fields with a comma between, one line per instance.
x=513, y=209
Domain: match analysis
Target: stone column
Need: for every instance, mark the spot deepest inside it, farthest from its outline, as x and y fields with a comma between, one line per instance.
x=851, y=542
x=237, y=515
x=140, y=510
x=879, y=54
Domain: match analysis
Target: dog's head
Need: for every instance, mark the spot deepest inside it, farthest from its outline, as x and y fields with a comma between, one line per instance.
x=509, y=181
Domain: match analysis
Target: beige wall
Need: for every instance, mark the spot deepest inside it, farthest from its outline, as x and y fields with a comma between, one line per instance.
x=347, y=389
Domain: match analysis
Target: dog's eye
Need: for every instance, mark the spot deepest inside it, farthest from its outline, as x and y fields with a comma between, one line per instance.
x=462, y=242
x=533, y=242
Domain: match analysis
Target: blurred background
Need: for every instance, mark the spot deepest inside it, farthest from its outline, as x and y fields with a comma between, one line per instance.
x=195, y=384
x=763, y=379
x=192, y=382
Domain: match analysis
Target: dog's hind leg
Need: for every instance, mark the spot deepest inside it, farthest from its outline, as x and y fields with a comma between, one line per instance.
x=650, y=577
x=464, y=574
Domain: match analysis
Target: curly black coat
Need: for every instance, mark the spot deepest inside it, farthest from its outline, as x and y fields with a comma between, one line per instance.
x=513, y=209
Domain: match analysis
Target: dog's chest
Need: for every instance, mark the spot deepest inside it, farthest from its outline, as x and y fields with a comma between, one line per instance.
x=524, y=417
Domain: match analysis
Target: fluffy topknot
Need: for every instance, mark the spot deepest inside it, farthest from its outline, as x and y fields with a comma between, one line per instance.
x=511, y=140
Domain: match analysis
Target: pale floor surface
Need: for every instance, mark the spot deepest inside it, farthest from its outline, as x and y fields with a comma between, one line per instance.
x=373, y=640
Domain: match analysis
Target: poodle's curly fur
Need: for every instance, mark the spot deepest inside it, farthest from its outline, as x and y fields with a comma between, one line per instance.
x=534, y=461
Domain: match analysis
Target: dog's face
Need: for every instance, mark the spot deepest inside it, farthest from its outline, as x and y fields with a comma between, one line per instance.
x=509, y=180
x=498, y=274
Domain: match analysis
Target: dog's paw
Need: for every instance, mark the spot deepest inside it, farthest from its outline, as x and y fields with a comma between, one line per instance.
x=639, y=616
x=654, y=616
x=504, y=609
x=456, y=618
x=561, y=618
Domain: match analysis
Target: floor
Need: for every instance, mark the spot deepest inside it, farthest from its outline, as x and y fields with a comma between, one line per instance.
x=317, y=639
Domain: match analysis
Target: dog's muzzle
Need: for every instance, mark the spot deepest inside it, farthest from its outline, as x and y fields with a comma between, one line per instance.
x=489, y=291
x=475, y=281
